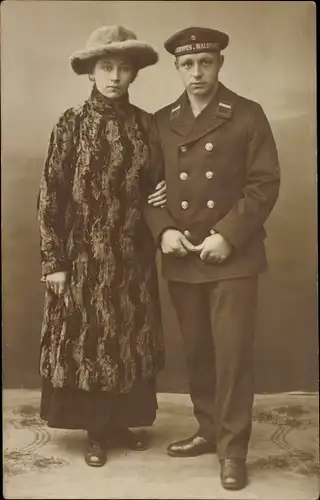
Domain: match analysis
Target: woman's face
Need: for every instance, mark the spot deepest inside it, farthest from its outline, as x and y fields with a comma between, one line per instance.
x=113, y=76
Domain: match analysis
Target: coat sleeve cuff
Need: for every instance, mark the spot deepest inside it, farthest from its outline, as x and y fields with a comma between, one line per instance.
x=158, y=220
x=233, y=237
x=54, y=266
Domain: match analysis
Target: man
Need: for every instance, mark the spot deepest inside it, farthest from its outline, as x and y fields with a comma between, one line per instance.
x=221, y=167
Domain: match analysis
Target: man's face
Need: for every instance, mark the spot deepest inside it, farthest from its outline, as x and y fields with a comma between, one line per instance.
x=113, y=76
x=199, y=72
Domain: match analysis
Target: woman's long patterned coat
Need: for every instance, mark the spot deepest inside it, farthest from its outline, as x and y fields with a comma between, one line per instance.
x=105, y=332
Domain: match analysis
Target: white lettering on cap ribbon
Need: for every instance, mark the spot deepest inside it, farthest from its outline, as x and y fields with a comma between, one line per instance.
x=204, y=45
x=183, y=48
x=196, y=46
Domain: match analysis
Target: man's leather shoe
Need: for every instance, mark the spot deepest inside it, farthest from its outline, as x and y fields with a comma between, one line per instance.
x=96, y=453
x=191, y=447
x=233, y=473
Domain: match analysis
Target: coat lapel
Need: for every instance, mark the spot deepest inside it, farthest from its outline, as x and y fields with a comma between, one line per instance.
x=215, y=114
x=181, y=116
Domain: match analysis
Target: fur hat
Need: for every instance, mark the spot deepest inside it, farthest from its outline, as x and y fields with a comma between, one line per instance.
x=115, y=39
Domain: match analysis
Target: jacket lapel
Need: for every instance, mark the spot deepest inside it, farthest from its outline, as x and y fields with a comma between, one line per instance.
x=181, y=116
x=215, y=114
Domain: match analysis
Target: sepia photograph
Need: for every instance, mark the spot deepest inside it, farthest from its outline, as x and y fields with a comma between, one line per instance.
x=159, y=250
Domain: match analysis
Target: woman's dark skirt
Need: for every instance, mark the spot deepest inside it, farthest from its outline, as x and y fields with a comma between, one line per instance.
x=98, y=411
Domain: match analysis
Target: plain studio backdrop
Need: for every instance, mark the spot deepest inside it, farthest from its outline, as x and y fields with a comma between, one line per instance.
x=271, y=59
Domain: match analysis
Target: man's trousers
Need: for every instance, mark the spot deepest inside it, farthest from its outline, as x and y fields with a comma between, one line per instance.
x=217, y=320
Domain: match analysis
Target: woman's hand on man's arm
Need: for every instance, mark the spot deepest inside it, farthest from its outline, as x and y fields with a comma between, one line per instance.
x=159, y=197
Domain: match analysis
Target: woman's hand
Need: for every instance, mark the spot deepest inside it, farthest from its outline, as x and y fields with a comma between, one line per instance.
x=159, y=197
x=56, y=282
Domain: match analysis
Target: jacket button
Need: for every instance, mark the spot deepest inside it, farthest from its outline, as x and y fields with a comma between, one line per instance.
x=184, y=205
x=208, y=146
x=183, y=176
x=209, y=174
x=212, y=232
x=183, y=149
x=187, y=233
x=210, y=203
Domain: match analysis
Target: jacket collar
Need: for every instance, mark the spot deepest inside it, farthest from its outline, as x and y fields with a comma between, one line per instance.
x=216, y=113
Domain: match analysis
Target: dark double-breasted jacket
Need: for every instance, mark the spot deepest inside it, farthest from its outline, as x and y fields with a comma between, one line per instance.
x=222, y=175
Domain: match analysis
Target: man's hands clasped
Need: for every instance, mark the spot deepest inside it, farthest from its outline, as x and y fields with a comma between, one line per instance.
x=174, y=242
x=214, y=249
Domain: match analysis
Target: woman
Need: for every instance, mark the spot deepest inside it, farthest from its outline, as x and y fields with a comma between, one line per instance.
x=101, y=338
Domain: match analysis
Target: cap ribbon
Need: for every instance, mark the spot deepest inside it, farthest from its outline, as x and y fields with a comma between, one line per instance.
x=194, y=47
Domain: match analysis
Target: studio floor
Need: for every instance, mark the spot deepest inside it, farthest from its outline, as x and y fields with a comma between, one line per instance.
x=283, y=461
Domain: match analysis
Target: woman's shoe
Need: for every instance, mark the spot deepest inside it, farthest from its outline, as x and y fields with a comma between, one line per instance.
x=137, y=441
x=96, y=452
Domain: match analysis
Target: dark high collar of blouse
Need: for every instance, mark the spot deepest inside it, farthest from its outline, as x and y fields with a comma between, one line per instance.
x=103, y=105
